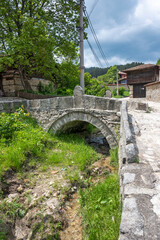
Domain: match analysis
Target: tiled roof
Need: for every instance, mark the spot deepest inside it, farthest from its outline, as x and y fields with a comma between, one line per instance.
x=140, y=67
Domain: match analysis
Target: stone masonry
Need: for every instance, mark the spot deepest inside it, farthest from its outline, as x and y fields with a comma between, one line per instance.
x=52, y=114
x=140, y=182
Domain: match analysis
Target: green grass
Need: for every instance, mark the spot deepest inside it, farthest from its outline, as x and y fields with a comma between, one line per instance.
x=114, y=157
x=101, y=208
x=23, y=143
x=125, y=94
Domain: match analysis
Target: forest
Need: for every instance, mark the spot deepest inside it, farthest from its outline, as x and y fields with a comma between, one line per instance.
x=96, y=71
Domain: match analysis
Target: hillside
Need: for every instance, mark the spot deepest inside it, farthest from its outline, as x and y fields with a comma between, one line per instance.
x=96, y=71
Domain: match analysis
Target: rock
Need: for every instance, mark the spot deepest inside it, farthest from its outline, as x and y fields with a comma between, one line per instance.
x=108, y=94
x=53, y=204
x=128, y=178
x=131, y=153
x=21, y=230
x=132, y=222
x=20, y=189
x=13, y=195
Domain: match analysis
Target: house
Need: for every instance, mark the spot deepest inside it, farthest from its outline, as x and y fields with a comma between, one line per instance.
x=122, y=77
x=122, y=81
x=139, y=76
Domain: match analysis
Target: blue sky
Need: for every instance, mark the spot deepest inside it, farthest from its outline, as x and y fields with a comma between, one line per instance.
x=128, y=30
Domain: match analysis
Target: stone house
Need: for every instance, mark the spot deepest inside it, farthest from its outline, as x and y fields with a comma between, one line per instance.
x=139, y=76
x=153, y=91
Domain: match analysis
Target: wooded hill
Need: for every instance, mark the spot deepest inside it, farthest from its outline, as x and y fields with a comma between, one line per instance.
x=96, y=71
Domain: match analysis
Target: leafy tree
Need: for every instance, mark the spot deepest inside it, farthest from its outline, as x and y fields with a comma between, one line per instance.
x=110, y=76
x=37, y=34
x=158, y=62
x=94, y=86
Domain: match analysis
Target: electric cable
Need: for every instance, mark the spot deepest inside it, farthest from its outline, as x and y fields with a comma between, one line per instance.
x=94, y=54
x=93, y=7
x=95, y=37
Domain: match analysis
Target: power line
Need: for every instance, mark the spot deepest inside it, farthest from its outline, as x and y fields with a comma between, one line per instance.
x=95, y=37
x=95, y=55
x=94, y=5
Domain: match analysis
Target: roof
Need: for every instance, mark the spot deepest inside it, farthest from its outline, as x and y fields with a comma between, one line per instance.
x=121, y=79
x=121, y=72
x=154, y=83
x=140, y=67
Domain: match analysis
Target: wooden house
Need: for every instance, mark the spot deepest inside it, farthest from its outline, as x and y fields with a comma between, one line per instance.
x=122, y=81
x=139, y=76
x=122, y=77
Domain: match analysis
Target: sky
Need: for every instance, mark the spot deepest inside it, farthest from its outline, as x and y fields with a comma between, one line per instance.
x=128, y=31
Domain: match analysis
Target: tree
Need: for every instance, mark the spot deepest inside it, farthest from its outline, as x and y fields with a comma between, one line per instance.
x=37, y=34
x=158, y=62
x=110, y=77
x=94, y=86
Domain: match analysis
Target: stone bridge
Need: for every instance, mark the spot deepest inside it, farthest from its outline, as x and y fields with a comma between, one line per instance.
x=60, y=113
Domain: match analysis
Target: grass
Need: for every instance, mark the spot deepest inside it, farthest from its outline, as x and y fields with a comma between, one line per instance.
x=101, y=209
x=114, y=157
x=24, y=144
x=125, y=94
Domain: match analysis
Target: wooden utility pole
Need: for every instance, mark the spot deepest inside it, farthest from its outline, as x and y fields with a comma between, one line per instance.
x=117, y=84
x=81, y=46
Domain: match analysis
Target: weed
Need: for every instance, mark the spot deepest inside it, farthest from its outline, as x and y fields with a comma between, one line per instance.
x=11, y=210
x=101, y=210
x=149, y=110
x=117, y=131
x=114, y=157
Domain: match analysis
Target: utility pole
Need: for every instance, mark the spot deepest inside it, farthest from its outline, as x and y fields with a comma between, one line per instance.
x=81, y=46
x=117, y=84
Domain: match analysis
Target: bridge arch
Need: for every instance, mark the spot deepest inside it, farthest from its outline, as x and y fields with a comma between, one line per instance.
x=59, y=123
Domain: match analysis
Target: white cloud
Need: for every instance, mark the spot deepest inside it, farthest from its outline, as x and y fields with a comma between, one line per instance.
x=90, y=61
x=145, y=16
x=148, y=11
x=117, y=61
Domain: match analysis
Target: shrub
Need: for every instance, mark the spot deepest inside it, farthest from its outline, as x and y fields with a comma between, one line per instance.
x=121, y=91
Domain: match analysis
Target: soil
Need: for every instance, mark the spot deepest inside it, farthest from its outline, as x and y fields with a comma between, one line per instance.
x=51, y=202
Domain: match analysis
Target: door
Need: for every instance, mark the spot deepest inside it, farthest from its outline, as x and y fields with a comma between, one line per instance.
x=139, y=91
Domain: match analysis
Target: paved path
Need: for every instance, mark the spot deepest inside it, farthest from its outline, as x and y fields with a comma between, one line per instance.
x=141, y=218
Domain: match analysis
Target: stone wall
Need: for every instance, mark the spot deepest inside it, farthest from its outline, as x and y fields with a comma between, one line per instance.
x=127, y=148
x=132, y=222
x=131, y=91
x=33, y=82
x=153, y=91
x=11, y=83
x=113, y=86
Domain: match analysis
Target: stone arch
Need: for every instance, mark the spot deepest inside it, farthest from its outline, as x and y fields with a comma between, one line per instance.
x=58, y=124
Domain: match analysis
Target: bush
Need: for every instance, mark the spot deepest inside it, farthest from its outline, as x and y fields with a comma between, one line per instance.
x=10, y=123
x=20, y=138
x=121, y=91
x=45, y=89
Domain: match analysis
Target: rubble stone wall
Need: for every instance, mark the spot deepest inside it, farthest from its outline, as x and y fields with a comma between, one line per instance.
x=153, y=92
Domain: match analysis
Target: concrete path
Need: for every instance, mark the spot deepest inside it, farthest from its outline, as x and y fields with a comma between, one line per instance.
x=141, y=182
